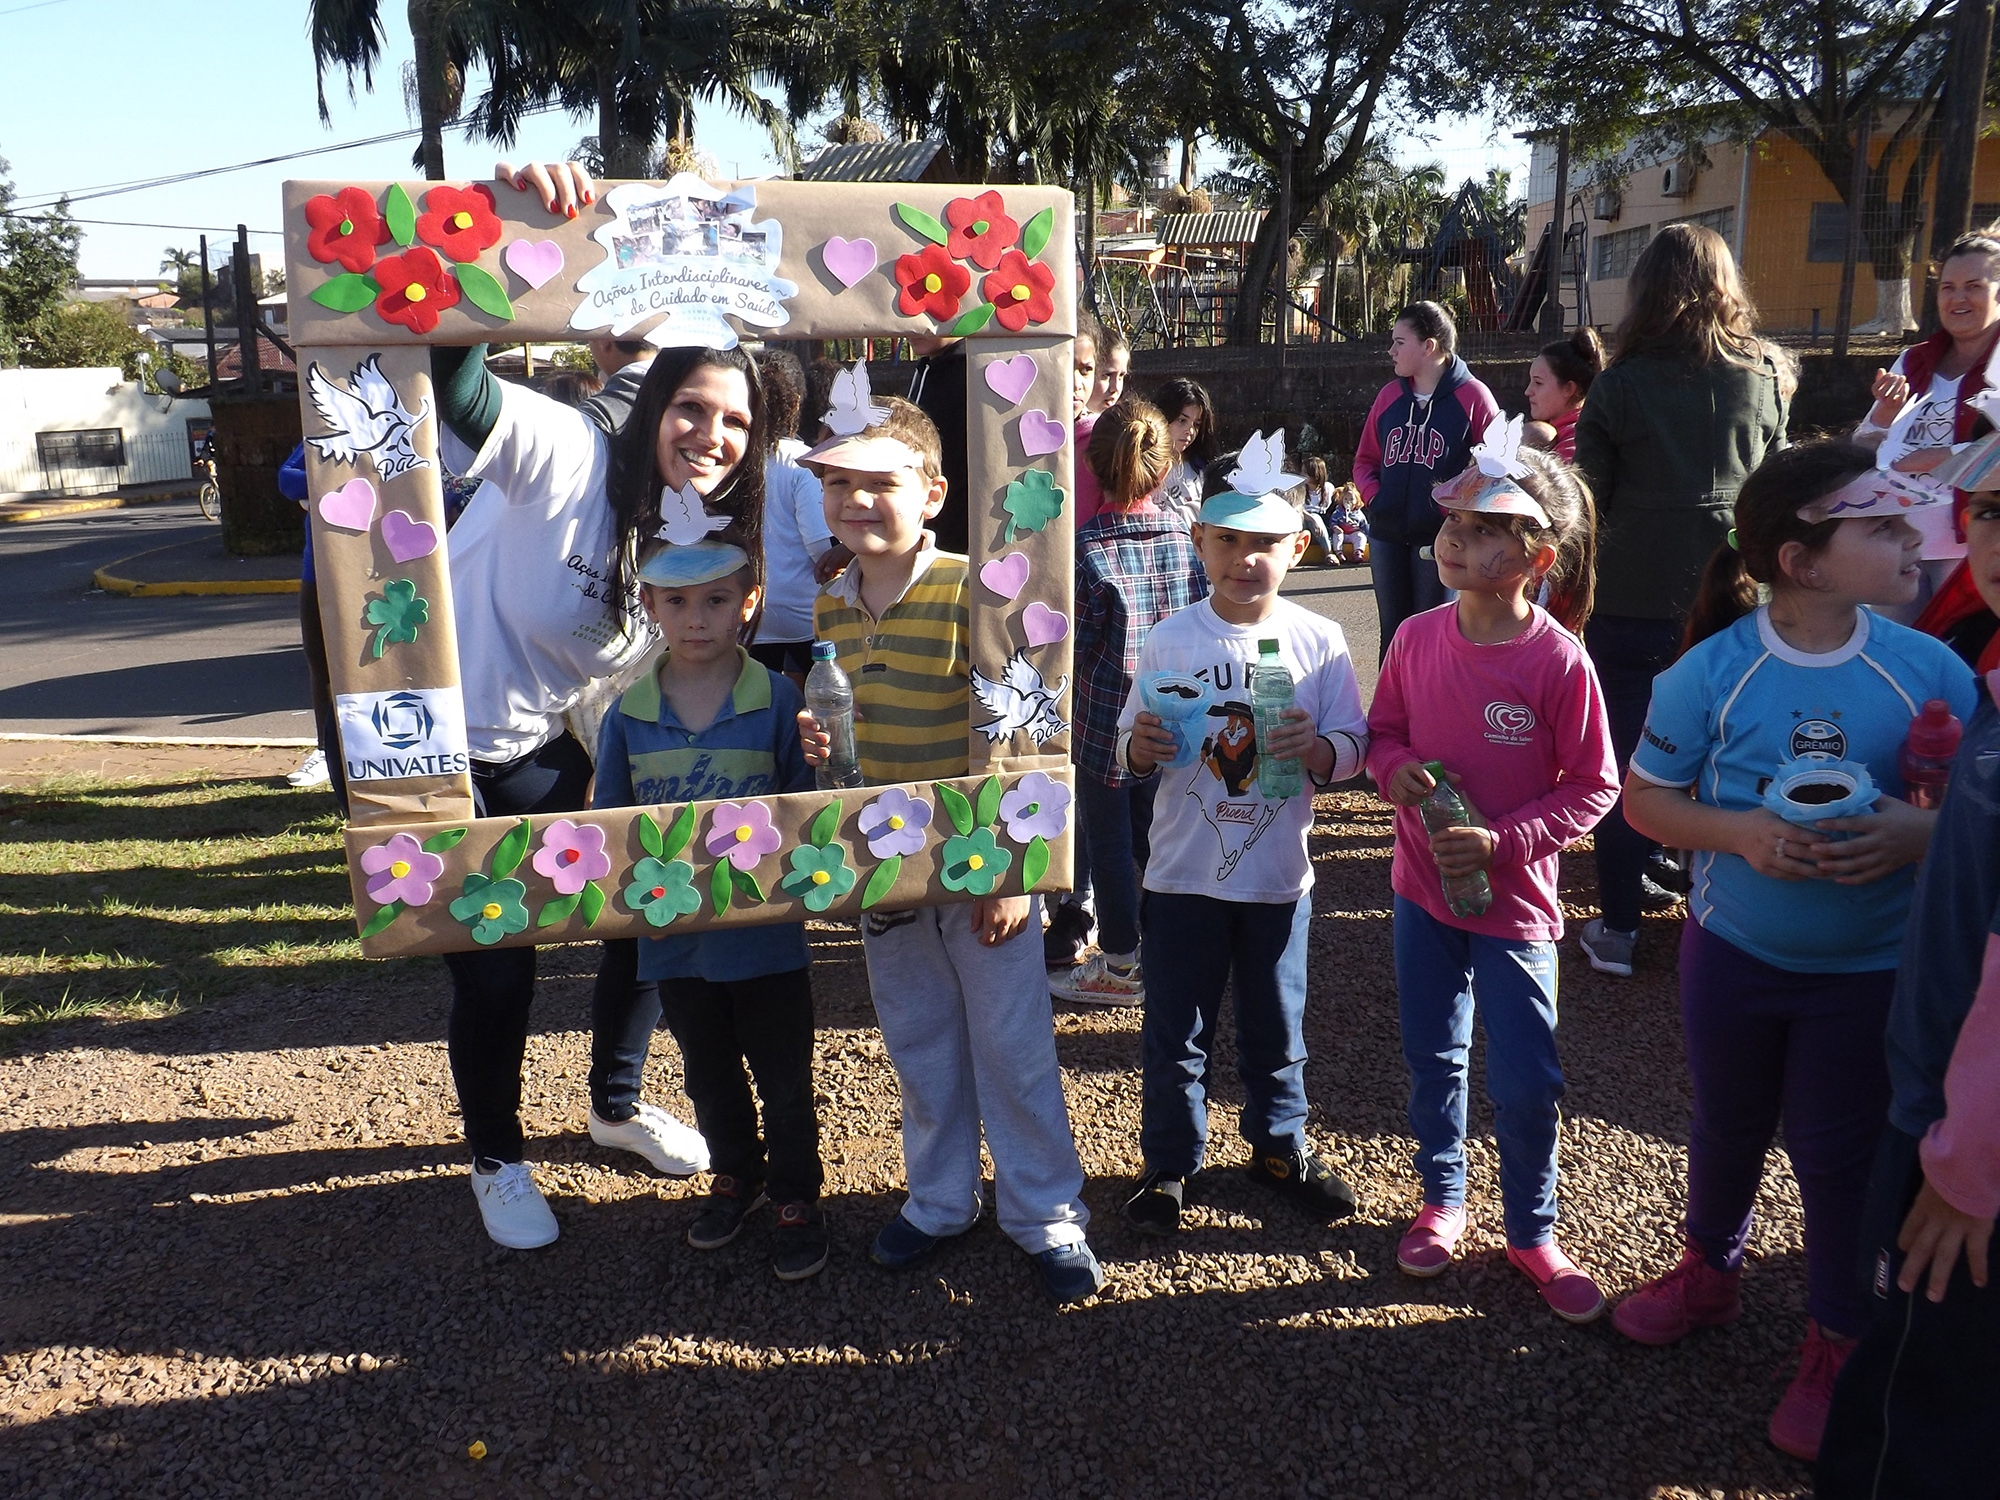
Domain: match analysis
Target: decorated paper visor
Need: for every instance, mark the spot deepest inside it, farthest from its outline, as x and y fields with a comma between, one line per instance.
x=1255, y=500
x=699, y=562
x=1490, y=484
x=1879, y=492
x=869, y=452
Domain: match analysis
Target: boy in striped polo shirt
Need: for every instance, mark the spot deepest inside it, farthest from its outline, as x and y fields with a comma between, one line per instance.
x=960, y=990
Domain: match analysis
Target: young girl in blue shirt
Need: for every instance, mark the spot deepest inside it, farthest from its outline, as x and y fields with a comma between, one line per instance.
x=1789, y=959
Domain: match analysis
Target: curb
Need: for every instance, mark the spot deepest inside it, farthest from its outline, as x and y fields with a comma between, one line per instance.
x=13, y=514
x=108, y=580
x=225, y=742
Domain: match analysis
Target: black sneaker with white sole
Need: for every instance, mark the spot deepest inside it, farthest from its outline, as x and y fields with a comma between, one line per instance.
x=729, y=1202
x=1155, y=1204
x=1306, y=1180
x=800, y=1243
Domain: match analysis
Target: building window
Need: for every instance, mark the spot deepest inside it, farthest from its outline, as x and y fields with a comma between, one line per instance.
x=1826, y=239
x=1721, y=220
x=1616, y=252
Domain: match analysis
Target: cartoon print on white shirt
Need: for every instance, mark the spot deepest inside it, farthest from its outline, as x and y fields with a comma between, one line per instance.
x=1223, y=779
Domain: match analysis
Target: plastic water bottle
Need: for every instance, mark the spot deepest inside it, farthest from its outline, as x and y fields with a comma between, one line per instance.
x=1442, y=808
x=1270, y=695
x=830, y=697
x=1928, y=754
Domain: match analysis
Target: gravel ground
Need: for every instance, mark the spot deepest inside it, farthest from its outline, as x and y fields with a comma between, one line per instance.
x=238, y=1257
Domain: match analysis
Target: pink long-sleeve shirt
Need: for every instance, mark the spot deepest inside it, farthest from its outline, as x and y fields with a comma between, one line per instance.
x=1961, y=1154
x=1523, y=724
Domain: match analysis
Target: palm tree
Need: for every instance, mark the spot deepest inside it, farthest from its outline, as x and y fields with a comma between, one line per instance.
x=447, y=38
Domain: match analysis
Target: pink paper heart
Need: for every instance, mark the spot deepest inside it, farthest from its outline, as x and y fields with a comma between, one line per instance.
x=536, y=262
x=406, y=537
x=351, y=507
x=848, y=260
x=1044, y=626
x=1006, y=576
x=1010, y=379
x=1041, y=433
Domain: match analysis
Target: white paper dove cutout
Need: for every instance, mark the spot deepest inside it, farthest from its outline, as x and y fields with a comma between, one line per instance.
x=1498, y=453
x=1019, y=700
x=1986, y=402
x=365, y=416
x=683, y=521
x=1260, y=467
x=853, y=408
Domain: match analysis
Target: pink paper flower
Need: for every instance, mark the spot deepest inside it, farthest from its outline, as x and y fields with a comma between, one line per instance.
x=742, y=834
x=572, y=855
x=400, y=870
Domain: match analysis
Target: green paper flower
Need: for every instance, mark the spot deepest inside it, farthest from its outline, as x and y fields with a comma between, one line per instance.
x=492, y=908
x=974, y=862
x=819, y=875
x=662, y=889
x=397, y=614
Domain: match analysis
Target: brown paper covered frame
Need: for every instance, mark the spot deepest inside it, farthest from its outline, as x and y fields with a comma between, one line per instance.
x=377, y=271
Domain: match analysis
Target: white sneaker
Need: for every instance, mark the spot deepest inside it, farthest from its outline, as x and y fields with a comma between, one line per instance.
x=1096, y=982
x=311, y=771
x=673, y=1148
x=516, y=1213
x=1609, y=951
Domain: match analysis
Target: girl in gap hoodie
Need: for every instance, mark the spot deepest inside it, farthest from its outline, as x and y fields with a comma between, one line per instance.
x=1419, y=433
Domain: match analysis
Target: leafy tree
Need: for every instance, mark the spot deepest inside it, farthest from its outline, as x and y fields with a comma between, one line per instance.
x=37, y=269
x=448, y=37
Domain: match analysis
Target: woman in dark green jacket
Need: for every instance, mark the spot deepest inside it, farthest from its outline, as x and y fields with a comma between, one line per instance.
x=1689, y=405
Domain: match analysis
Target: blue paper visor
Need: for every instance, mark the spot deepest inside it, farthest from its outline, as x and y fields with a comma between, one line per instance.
x=1267, y=515
x=698, y=562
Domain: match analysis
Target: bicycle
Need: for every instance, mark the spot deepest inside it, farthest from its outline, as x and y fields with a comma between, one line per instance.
x=209, y=496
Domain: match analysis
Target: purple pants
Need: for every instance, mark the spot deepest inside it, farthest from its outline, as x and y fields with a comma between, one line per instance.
x=1766, y=1044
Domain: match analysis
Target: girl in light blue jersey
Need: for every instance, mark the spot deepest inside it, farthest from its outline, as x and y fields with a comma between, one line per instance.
x=1789, y=958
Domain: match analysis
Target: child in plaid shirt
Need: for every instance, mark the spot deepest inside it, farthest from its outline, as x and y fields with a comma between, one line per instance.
x=1135, y=565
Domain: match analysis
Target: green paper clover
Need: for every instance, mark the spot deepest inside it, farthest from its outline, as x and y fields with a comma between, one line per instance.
x=397, y=614
x=819, y=875
x=492, y=908
x=1032, y=502
x=662, y=889
x=974, y=862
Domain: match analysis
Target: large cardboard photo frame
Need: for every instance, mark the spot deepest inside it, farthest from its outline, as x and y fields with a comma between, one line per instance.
x=378, y=271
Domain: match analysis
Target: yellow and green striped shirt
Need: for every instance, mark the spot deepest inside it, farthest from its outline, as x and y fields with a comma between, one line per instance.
x=911, y=670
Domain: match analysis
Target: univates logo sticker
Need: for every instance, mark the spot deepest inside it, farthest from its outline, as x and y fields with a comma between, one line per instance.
x=1509, y=723
x=410, y=732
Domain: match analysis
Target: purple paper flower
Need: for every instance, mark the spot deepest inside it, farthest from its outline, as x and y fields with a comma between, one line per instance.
x=894, y=823
x=400, y=870
x=742, y=834
x=1037, y=807
x=572, y=855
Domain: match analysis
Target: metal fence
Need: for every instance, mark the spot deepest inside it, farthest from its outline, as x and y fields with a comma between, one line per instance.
x=29, y=467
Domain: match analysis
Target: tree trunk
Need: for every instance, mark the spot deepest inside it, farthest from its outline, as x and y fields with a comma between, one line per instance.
x=607, y=111
x=430, y=88
x=1893, y=313
x=1187, y=162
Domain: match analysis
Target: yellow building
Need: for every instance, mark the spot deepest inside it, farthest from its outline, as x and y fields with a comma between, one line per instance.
x=1770, y=200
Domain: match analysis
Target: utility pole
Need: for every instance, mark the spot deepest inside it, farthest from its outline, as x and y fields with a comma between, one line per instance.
x=246, y=314
x=207, y=311
x=1554, y=317
x=1843, y=319
x=1964, y=99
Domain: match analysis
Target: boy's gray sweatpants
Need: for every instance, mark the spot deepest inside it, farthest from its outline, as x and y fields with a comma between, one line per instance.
x=971, y=1032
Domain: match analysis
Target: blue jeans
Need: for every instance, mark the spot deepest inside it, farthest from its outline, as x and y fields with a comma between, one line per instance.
x=1440, y=970
x=1406, y=584
x=1194, y=946
x=1119, y=824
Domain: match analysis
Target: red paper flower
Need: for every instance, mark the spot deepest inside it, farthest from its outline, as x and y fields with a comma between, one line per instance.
x=980, y=229
x=932, y=282
x=345, y=227
x=415, y=289
x=1019, y=291
x=459, y=221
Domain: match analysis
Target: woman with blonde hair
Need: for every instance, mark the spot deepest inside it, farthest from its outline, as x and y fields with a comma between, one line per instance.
x=1688, y=407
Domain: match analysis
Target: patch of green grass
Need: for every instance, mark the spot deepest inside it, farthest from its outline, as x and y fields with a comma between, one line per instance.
x=131, y=900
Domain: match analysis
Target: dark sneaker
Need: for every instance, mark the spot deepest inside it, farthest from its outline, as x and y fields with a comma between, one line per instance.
x=1307, y=1180
x=800, y=1249
x=1670, y=871
x=1155, y=1205
x=730, y=1201
x=1066, y=936
x=1071, y=1272
x=902, y=1244
x=1655, y=897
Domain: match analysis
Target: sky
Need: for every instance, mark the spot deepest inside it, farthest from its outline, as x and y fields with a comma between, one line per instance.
x=102, y=93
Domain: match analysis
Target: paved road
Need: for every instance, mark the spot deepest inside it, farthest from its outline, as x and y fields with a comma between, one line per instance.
x=75, y=660
x=1345, y=596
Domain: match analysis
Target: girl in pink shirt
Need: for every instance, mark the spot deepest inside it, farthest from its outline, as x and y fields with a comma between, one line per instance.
x=1501, y=693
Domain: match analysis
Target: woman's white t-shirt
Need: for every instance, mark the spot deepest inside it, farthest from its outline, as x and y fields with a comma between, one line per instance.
x=795, y=532
x=528, y=576
x=1930, y=420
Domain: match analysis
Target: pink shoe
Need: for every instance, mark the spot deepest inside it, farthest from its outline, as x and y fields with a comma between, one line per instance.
x=1669, y=1308
x=1800, y=1420
x=1569, y=1292
x=1428, y=1245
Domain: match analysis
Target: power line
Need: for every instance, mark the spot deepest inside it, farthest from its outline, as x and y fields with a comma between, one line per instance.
x=140, y=185
x=13, y=213
x=38, y=5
